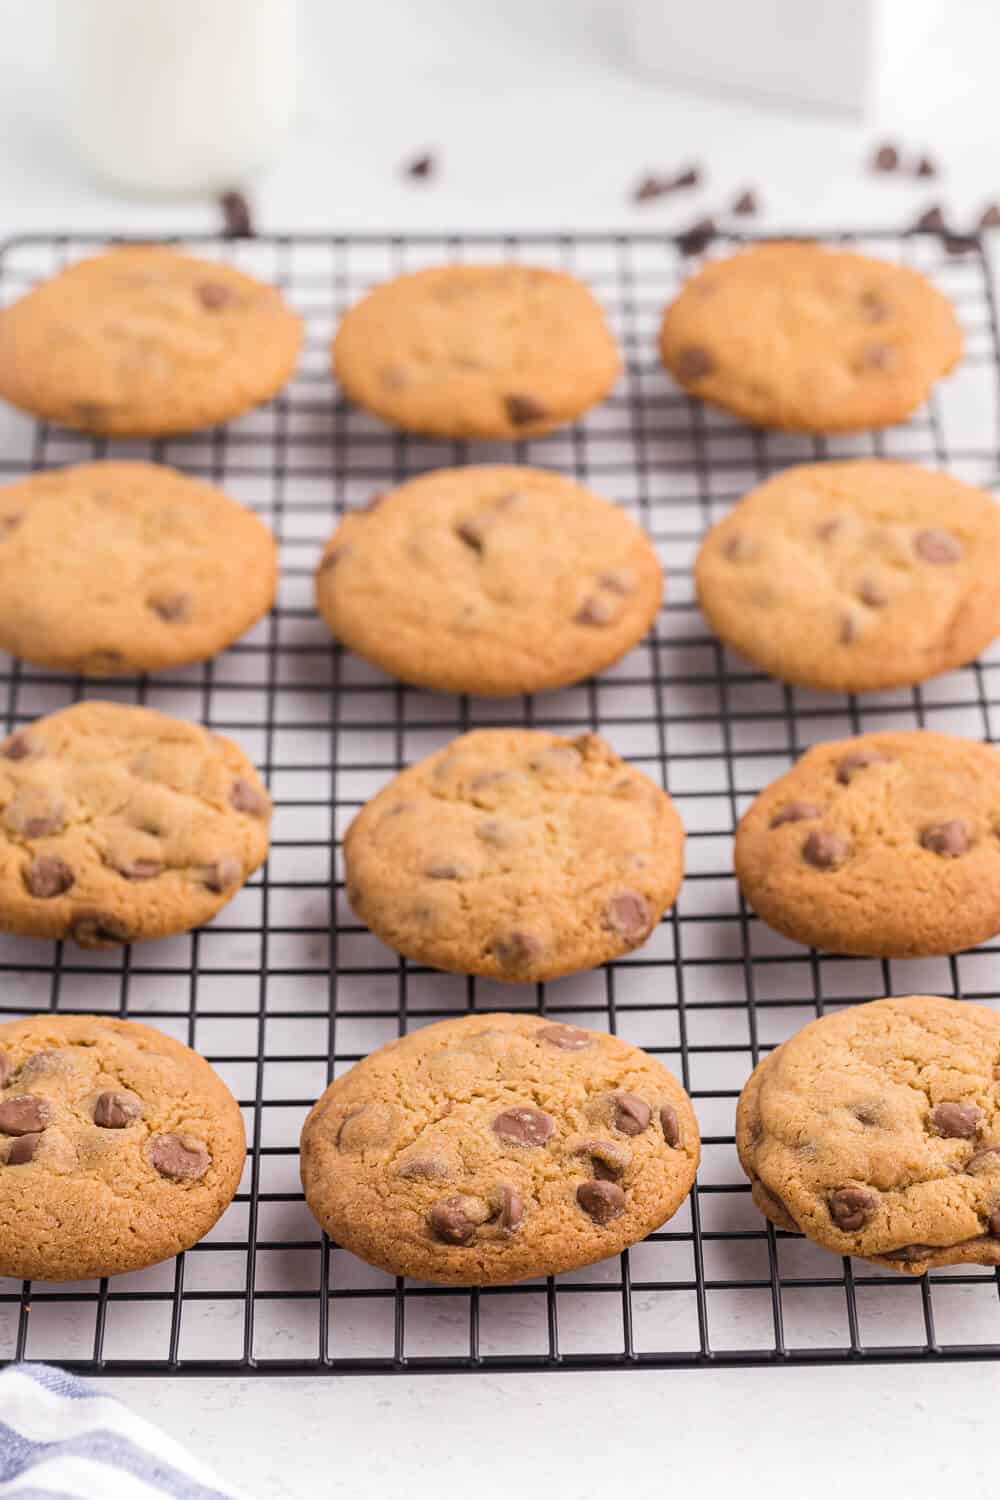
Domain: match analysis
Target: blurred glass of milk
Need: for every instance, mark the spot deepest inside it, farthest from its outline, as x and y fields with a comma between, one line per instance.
x=180, y=96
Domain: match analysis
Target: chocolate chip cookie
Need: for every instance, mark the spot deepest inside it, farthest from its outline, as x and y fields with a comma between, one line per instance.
x=888, y=845
x=876, y=1132
x=855, y=576
x=515, y=854
x=794, y=336
x=490, y=580
x=119, y=1147
x=142, y=341
x=108, y=568
x=120, y=823
x=456, y=351
x=498, y=1147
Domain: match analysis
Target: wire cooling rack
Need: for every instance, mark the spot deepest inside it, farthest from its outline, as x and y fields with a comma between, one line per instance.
x=285, y=989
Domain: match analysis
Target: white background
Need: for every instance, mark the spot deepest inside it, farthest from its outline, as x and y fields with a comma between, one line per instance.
x=540, y=123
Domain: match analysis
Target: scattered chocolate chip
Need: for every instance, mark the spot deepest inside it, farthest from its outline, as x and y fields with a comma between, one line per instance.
x=877, y=357
x=455, y=1220
x=214, y=294
x=140, y=869
x=6, y=1069
x=19, y=747
x=795, y=812
x=472, y=533
x=959, y=244
x=694, y=362
x=494, y=832
x=9, y=524
x=608, y=1159
x=847, y=630
x=423, y=1166
x=631, y=1114
x=594, y=611
x=690, y=177
x=828, y=529
x=950, y=838
x=670, y=1125
x=29, y=815
x=420, y=167
x=907, y=1253
x=23, y=1148
x=873, y=307
x=628, y=914
x=993, y=1224
x=94, y=929
x=885, y=159
x=179, y=1157
x=867, y=1115
x=851, y=1207
x=510, y=1208
x=937, y=546
x=24, y=1114
x=984, y=1161
x=225, y=872
x=696, y=239
x=860, y=760
x=872, y=594
x=246, y=799
x=746, y=203
x=651, y=187
x=524, y=1126
x=925, y=168
x=523, y=410
x=171, y=607
x=569, y=1038
x=990, y=217
x=47, y=877
x=824, y=851
x=517, y=949
x=116, y=1111
x=603, y=1201
x=931, y=219
x=236, y=221
x=737, y=548
x=956, y=1121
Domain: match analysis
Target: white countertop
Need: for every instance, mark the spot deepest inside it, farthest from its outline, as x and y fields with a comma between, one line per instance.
x=539, y=124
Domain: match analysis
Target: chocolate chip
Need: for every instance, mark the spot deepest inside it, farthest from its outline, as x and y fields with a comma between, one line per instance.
x=931, y=219
x=246, y=799
x=908, y=1253
x=171, y=607
x=510, y=1208
x=236, y=220
x=698, y=237
x=631, y=1114
x=445, y=872
x=959, y=244
x=867, y=1115
x=23, y=1149
x=225, y=872
x=986, y=1161
x=825, y=851
x=628, y=914
x=795, y=812
x=47, y=877
x=24, y=1114
x=746, y=203
x=878, y=357
x=472, y=532
x=993, y=1224
x=925, y=168
x=829, y=529
x=214, y=294
x=694, y=362
x=455, y=1220
x=670, y=1125
x=6, y=1069
x=851, y=1207
x=517, y=949
x=9, y=524
x=494, y=832
x=859, y=760
x=737, y=548
x=847, y=630
x=885, y=159
x=420, y=167
x=956, y=1121
x=872, y=594
x=937, y=546
x=950, y=838
x=651, y=187
x=603, y=1201
x=116, y=1111
x=873, y=307
x=688, y=178
x=19, y=747
x=990, y=217
x=569, y=1038
x=524, y=1126
x=618, y=580
x=594, y=611
x=609, y=1159
x=522, y=410
x=423, y=1167
x=95, y=929
x=179, y=1157
x=140, y=869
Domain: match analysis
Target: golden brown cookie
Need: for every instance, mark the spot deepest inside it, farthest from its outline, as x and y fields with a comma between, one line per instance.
x=888, y=844
x=515, y=854
x=876, y=1132
x=459, y=351
x=142, y=341
x=108, y=568
x=791, y=335
x=854, y=576
x=120, y=823
x=119, y=1147
x=490, y=579
x=498, y=1147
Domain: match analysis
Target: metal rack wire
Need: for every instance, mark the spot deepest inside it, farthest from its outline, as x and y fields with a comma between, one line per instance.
x=286, y=989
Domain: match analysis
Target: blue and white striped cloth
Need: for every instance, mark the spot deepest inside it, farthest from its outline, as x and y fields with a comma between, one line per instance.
x=61, y=1439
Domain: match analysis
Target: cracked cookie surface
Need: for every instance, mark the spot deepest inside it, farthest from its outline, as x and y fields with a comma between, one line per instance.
x=119, y=1147
x=492, y=579
x=120, y=823
x=142, y=341
x=498, y=1147
x=887, y=845
x=876, y=1132
x=855, y=576
x=515, y=854
x=794, y=336
x=107, y=568
x=502, y=351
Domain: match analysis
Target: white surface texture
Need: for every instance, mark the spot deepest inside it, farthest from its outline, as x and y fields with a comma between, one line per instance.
x=540, y=122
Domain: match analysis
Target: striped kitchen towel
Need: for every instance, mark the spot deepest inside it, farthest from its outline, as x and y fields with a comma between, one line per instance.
x=61, y=1439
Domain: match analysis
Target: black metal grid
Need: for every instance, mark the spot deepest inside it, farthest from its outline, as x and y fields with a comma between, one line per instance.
x=285, y=989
